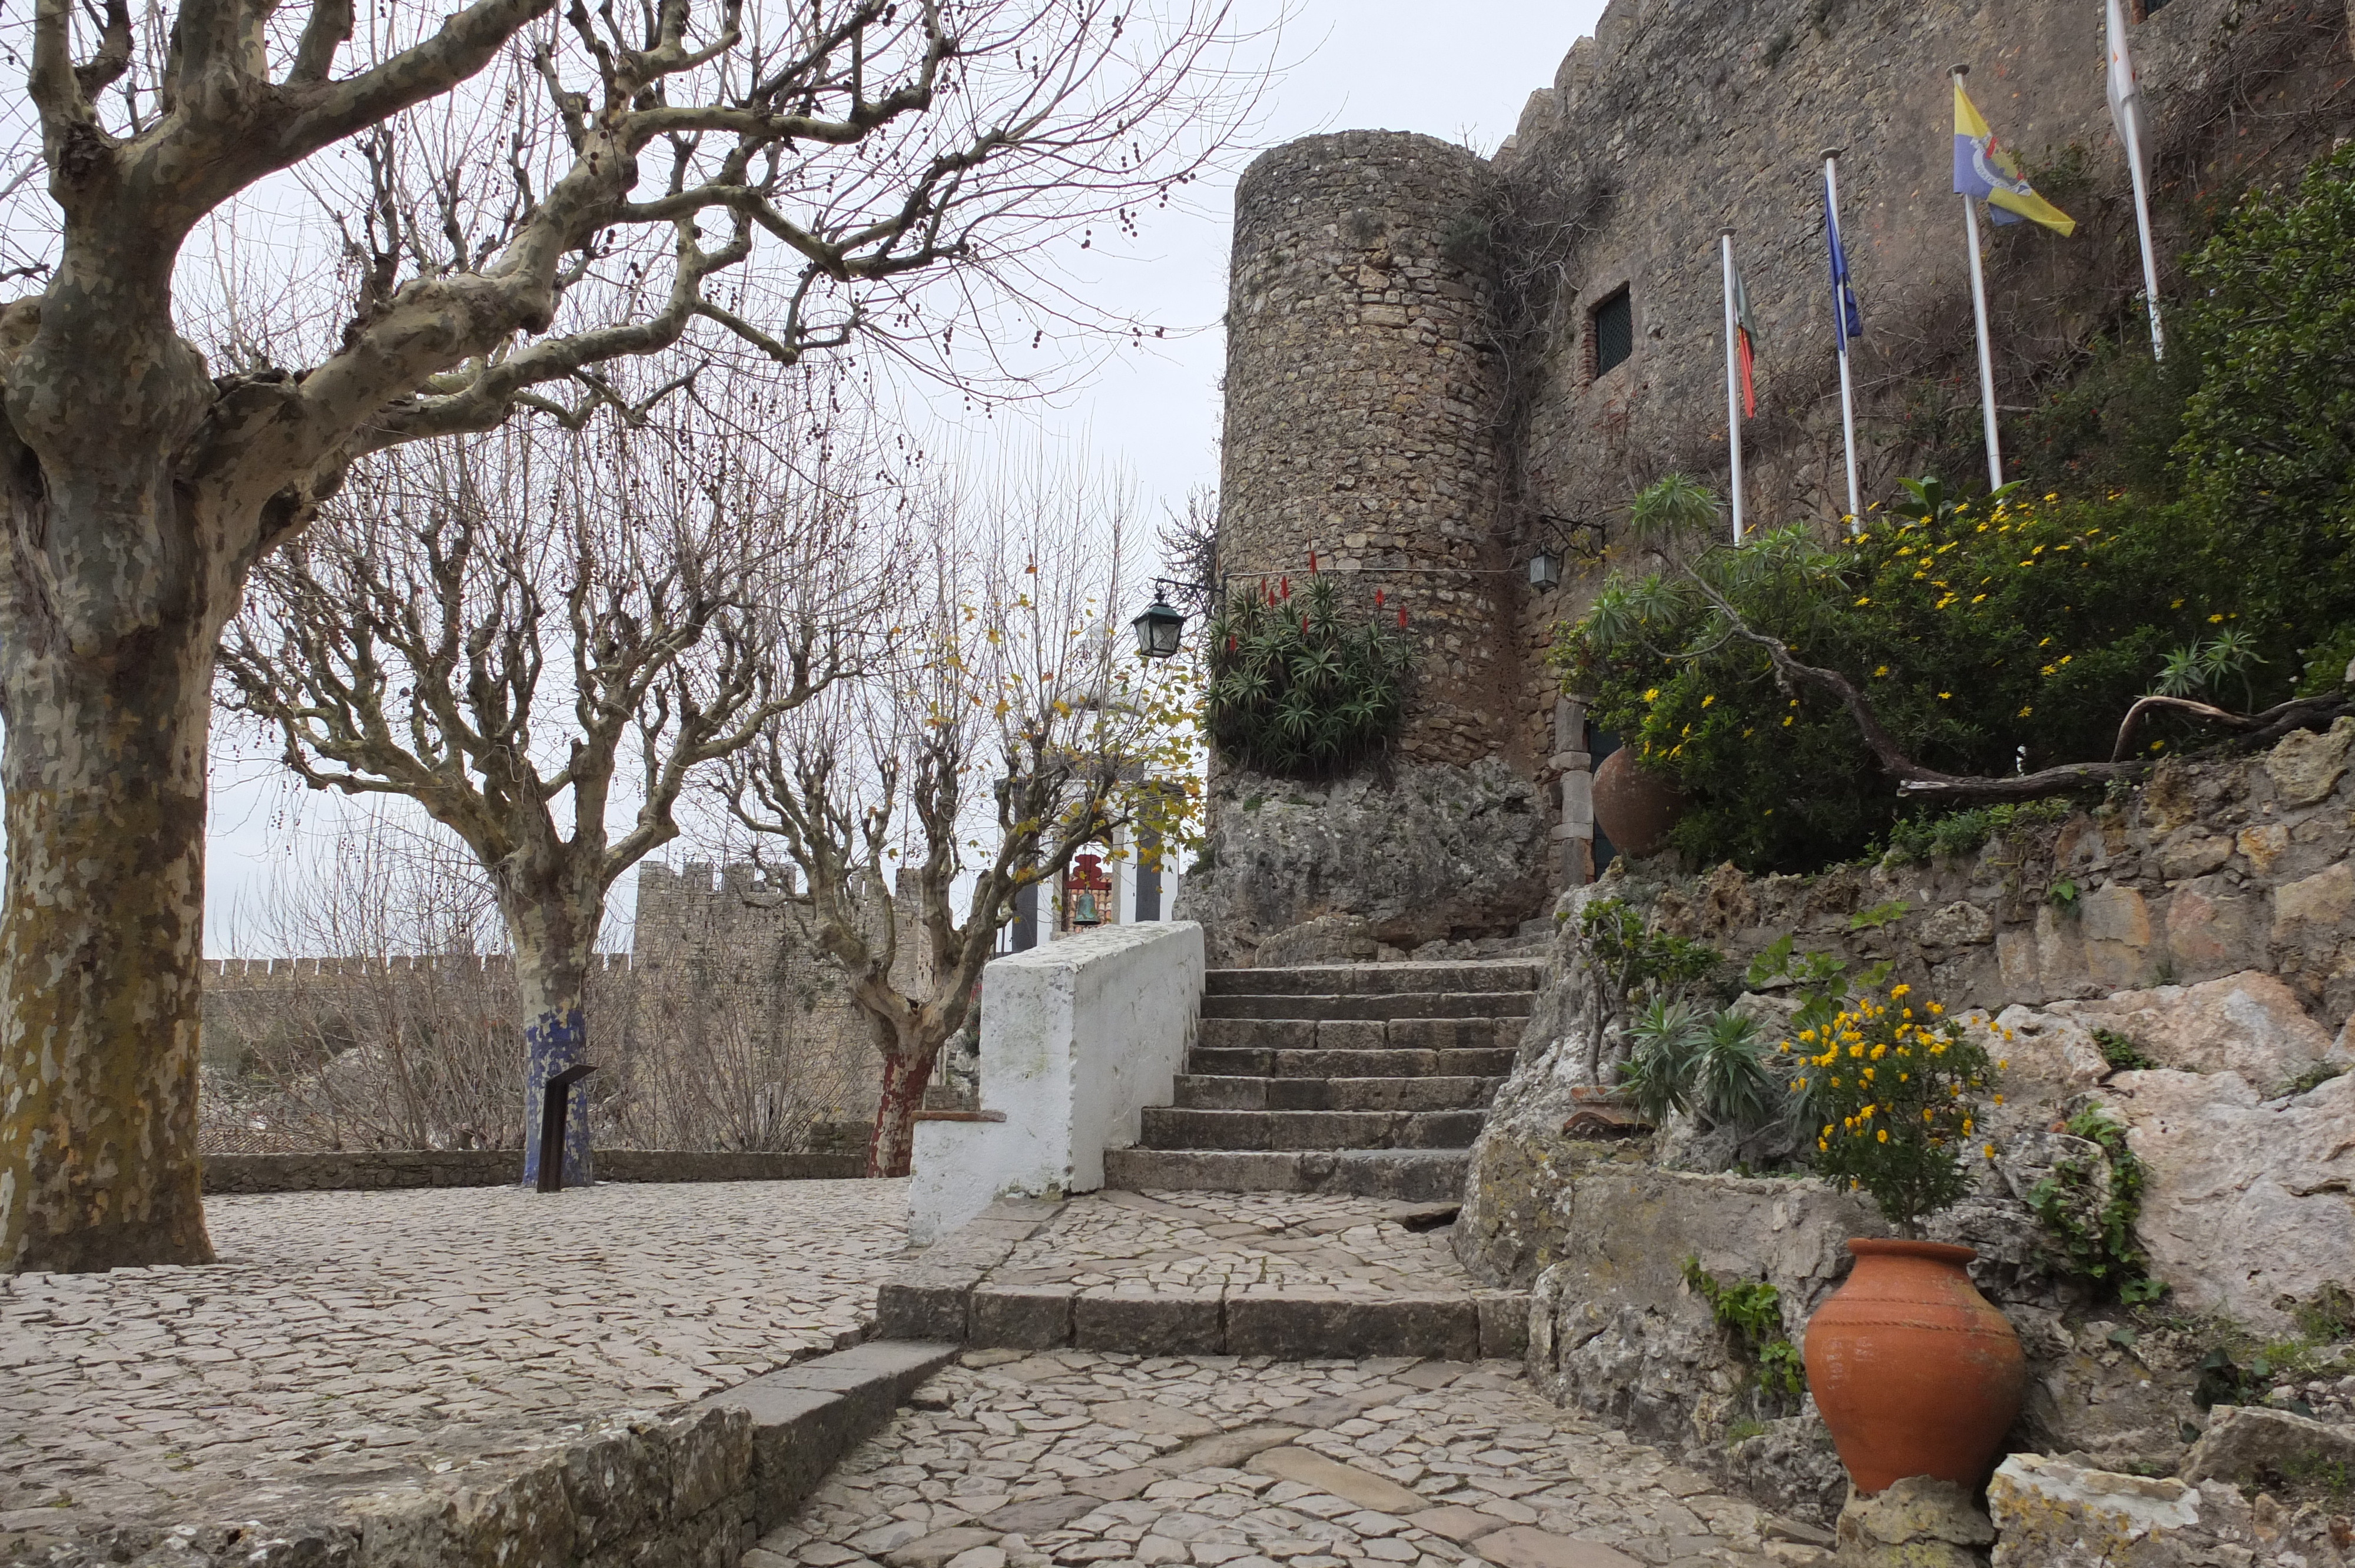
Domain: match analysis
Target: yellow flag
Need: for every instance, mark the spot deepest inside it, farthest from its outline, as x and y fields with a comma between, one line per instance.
x=1984, y=169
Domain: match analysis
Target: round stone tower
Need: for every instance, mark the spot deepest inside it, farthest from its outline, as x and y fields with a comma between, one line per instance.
x=1361, y=400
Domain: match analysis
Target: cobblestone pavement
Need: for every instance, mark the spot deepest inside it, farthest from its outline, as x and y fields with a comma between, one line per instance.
x=359, y=1339
x=1202, y=1242
x=1074, y=1457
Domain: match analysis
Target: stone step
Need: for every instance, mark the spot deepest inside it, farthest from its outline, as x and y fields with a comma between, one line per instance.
x=1169, y=1127
x=1363, y=1034
x=1214, y=1062
x=1339, y=979
x=1381, y=1007
x=1408, y=1175
x=1213, y=1092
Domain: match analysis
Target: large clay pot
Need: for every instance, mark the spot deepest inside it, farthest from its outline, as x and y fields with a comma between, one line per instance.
x=1634, y=808
x=1916, y=1372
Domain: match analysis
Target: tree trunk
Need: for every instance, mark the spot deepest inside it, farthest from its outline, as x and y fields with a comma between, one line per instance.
x=907, y=1072
x=554, y=945
x=101, y=945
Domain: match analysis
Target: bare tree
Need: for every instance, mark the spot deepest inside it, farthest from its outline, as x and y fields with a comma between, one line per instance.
x=1022, y=729
x=404, y=647
x=535, y=198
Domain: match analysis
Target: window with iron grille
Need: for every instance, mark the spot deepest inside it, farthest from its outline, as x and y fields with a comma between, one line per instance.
x=1612, y=330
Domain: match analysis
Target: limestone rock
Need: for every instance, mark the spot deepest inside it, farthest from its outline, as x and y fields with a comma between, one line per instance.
x=2306, y=766
x=2246, y=1200
x=1420, y=853
x=2249, y=1023
x=2256, y=1444
x=1919, y=1523
x=2053, y=1514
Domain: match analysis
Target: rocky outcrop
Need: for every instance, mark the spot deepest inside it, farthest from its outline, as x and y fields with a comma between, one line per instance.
x=2056, y=1513
x=1397, y=858
x=2250, y=1202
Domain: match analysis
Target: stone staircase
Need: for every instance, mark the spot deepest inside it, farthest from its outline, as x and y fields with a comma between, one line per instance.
x=1365, y=1080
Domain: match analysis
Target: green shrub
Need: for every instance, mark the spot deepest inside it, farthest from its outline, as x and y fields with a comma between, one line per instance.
x=1986, y=639
x=1292, y=690
x=2269, y=437
x=1894, y=1092
x=1708, y=1065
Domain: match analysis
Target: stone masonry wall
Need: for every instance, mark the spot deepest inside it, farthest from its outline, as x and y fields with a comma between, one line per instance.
x=1677, y=119
x=1361, y=392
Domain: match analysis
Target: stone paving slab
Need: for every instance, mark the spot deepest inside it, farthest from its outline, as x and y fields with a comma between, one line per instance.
x=1242, y=1273
x=1067, y=1457
x=361, y=1341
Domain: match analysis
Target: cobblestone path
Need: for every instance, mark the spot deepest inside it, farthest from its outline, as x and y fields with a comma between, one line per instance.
x=357, y=1340
x=1075, y=1457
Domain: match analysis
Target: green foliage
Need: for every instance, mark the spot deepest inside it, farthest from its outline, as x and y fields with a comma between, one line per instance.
x=2099, y=1247
x=1920, y=839
x=1986, y=638
x=1751, y=1310
x=1296, y=692
x=2314, y=1077
x=2268, y=437
x=1894, y=1091
x=2328, y=1316
x=1650, y=965
x=2062, y=894
x=1708, y=1065
x=1880, y=914
x=2122, y=1053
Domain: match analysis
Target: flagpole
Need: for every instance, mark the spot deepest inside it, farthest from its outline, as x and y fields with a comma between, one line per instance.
x=1732, y=380
x=2142, y=222
x=1987, y=350
x=1839, y=330
x=2126, y=112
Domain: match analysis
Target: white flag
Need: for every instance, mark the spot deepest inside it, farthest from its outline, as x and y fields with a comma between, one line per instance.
x=2125, y=96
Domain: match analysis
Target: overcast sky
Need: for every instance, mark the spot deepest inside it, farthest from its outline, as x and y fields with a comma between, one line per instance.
x=1460, y=69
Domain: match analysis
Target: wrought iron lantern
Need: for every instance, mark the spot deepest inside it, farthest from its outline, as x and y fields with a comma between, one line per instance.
x=1158, y=630
x=1545, y=571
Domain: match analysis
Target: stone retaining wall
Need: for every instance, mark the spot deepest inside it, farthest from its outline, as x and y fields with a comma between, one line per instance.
x=391, y=1167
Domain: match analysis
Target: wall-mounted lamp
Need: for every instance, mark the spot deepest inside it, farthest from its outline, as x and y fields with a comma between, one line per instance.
x=1158, y=630
x=1559, y=538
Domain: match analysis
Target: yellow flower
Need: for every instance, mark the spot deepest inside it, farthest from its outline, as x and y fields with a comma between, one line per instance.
x=1999, y=1099
x=1937, y=1008
x=1990, y=1151
x=1884, y=1135
x=2214, y=618
x=2025, y=712
x=1945, y=696
x=1879, y=1051
x=1787, y=721
x=1898, y=990
x=1653, y=696
x=1882, y=670
x=2006, y=1063
x=1709, y=699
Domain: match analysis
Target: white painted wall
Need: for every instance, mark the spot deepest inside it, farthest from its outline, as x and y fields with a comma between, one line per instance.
x=1077, y=1037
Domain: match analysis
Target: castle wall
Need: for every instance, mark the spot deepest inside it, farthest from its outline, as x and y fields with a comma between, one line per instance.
x=1411, y=382
x=1677, y=119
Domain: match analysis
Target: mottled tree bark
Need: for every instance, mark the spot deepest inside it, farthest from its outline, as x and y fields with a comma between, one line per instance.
x=101, y=944
x=555, y=938
x=907, y=1072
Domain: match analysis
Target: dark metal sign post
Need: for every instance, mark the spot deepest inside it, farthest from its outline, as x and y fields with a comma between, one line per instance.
x=553, y=1114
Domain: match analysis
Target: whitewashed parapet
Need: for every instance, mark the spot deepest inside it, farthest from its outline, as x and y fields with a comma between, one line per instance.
x=1077, y=1037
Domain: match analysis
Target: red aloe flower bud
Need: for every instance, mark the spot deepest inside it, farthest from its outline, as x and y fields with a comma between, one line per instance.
x=1378, y=599
x=1312, y=560
x=1401, y=617
x=1287, y=586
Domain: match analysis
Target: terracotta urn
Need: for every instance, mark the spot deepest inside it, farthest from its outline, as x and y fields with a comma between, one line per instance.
x=1635, y=808
x=1916, y=1372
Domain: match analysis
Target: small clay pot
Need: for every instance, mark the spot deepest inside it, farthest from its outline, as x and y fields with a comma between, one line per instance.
x=1916, y=1372
x=1635, y=808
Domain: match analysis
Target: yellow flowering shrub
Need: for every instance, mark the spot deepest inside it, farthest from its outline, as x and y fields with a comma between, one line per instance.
x=1894, y=1092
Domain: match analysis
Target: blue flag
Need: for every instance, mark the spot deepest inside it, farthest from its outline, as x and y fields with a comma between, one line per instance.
x=1847, y=319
